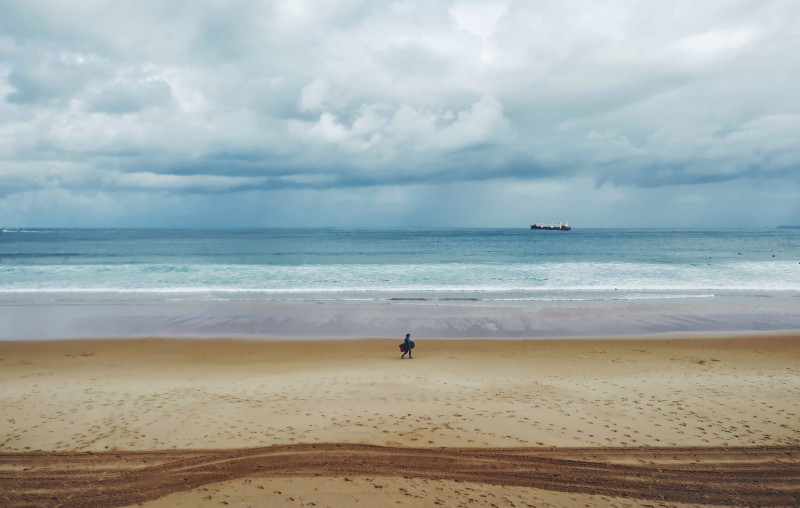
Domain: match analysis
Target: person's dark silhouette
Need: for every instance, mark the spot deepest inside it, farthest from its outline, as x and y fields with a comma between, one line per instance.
x=408, y=347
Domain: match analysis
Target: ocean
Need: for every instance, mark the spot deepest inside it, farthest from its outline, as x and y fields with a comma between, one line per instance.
x=443, y=273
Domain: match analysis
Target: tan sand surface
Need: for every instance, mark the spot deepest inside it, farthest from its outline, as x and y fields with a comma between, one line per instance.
x=604, y=476
x=345, y=492
x=127, y=395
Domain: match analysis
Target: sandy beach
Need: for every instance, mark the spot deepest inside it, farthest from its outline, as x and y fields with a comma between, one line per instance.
x=601, y=422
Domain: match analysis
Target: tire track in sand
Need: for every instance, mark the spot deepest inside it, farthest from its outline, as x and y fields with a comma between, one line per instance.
x=767, y=476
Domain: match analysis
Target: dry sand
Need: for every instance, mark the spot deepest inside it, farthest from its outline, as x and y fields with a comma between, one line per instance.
x=700, y=420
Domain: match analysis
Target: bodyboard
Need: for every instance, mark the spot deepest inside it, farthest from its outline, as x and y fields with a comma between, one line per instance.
x=403, y=346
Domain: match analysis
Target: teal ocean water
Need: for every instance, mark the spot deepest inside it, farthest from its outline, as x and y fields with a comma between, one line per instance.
x=354, y=264
x=266, y=274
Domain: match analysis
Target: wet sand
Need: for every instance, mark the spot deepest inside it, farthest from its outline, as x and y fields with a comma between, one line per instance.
x=286, y=423
x=583, y=316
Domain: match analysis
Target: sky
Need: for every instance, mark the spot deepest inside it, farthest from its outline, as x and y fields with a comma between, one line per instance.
x=355, y=113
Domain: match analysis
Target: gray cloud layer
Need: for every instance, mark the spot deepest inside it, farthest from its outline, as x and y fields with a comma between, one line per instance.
x=358, y=112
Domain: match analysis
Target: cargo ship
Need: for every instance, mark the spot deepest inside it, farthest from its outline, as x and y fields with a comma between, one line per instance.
x=561, y=226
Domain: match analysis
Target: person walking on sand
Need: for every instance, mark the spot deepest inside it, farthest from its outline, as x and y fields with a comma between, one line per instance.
x=407, y=348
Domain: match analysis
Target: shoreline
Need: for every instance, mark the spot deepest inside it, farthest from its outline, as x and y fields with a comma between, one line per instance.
x=451, y=320
x=255, y=339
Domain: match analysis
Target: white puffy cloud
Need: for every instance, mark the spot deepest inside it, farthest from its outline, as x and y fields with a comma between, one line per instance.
x=406, y=129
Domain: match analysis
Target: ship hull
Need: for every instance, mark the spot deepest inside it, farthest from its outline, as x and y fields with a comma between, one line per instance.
x=551, y=228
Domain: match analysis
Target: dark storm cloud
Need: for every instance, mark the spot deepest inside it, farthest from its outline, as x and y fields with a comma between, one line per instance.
x=207, y=98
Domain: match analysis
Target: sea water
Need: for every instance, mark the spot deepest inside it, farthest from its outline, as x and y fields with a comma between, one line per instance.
x=429, y=267
x=385, y=264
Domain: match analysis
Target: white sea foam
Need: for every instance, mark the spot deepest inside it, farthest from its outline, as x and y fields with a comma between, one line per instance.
x=483, y=279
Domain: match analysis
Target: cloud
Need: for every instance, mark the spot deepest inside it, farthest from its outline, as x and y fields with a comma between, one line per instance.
x=130, y=96
x=477, y=18
x=52, y=76
x=406, y=129
x=208, y=183
x=715, y=41
x=209, y=100
x=312, y=97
